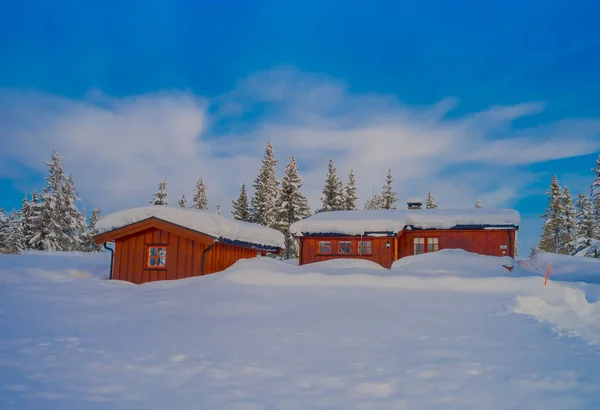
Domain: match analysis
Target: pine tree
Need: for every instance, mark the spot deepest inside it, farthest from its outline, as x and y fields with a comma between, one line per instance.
x=11, y=233
x=182, y=202
x=595, y=199
x=3, y=231
x=73, y=232
x=552, y=234
x=430, y=201
x=241, y=208
x=584, y=216
x=568, y=224
x=200, y=197
x=160, y=196
x=47, y=234
x=350, y=196
x=266, y=191
x=292, y=206
x=388, y=195
x=29, y=215
x=375, y=201
x=93, y=231
x=478, y=204
x=333, y=191
x=534, y=251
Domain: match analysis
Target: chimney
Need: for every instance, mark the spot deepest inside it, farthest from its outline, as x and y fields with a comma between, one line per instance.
x=414, y=203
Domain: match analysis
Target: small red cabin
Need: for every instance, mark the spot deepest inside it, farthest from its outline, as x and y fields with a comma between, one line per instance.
x=160, y=243
x=384, y=236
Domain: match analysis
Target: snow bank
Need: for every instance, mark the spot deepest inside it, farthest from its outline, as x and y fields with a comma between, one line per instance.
x=457, y=262
x=53, y=266
x=564, y=267
x=201, y=221
x=395, y=220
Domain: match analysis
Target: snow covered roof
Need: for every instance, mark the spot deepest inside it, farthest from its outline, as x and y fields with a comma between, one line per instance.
x=201, y=221
x=395, y=220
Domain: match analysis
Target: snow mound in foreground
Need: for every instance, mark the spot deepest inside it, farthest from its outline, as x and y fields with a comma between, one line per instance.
x=344, y=263
x=564, y=267
x=457, y=262
x=53, y=266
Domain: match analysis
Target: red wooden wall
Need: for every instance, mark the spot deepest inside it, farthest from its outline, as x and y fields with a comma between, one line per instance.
x=484, y=242
x=184, y=256
x=379, y=253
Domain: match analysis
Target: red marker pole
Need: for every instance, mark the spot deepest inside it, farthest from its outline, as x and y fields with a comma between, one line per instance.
x=547, y=273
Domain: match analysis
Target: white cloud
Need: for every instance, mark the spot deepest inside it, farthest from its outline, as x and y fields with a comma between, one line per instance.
x=119, y=148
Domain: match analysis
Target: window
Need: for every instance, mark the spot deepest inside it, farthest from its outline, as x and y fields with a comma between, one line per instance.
x=324, y=247
x=433, y=244
x=344, y=247
x=157, y=257
x=419, y=246
x=364, y=247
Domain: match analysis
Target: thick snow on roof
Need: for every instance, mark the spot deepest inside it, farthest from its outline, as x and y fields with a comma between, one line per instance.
x=394, y=220
x=202, y=221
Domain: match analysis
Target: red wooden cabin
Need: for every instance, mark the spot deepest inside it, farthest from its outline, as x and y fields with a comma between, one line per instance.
x=384, y=236
x=160, y=243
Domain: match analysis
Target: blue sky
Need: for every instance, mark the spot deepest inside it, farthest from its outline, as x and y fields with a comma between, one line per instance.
x=471, y=99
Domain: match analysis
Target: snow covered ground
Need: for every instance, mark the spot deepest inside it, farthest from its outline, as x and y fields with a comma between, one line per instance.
x=448, y=330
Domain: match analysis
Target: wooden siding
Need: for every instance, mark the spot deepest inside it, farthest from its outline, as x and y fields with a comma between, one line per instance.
x=184, y=256
x=309, y=249
x=484, y=241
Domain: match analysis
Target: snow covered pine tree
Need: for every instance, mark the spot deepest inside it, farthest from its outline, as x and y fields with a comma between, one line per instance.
x=333, y=191
x=584, y=217
x=160, y=196
x=182, y=201
x=568, y=224
x=388, y=195
x=266, y=191
x=200, y=198
x=350, y=196
x=553, y=235
x=241, y=208
x=292, y=206
x=430, y=201
x=478, y=204
x=595, y=198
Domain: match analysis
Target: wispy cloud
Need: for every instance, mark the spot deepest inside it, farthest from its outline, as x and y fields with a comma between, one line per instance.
x=118, y=148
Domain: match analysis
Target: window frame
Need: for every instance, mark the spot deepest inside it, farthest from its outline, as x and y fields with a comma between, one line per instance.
x=361, y=247
x=321, y=251
x=349, y=248
x=430, y=243
x=157, y=246
x=415, y=243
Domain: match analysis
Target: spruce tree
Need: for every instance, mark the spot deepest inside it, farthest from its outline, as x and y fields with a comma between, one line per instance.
x=375, y=201
x=11, y=233
x=266, y=191
x=182, y=202
x=350, y=196
x=292, y=206
x=478, y=204
x=595, y=199
x=584, y=217
x=388, y=195
x=73, y=235
x=200, y=198
x=93, y=231
x=30, y=217
x=333, y=191
x=430, y=201
x=552, y=234
x=241, y=208
x=47, y=234
x=568, y=224
x=160, y=196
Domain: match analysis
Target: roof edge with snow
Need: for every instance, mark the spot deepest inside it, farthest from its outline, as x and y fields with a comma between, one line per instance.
x=396, y=220
x=230, y=231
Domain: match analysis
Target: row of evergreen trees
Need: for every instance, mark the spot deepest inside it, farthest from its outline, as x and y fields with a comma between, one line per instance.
x=50, y=220
x=568, y=222
x=278, y=203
